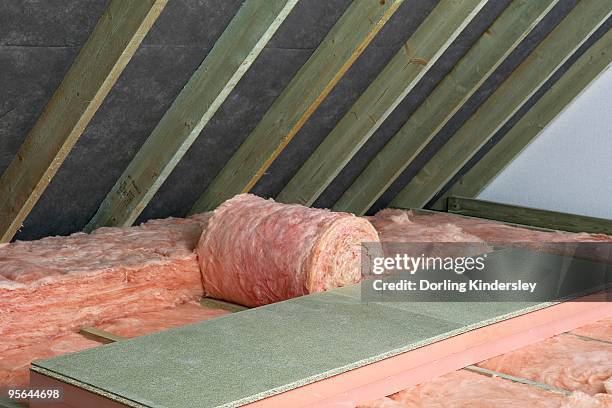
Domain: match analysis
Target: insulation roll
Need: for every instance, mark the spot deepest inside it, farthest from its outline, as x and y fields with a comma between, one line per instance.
x=257, y=251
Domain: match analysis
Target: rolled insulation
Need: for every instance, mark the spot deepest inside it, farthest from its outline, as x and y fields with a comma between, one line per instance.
x=257, y=251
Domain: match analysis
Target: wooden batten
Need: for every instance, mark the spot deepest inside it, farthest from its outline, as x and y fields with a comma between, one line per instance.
x=583, y=72
x=95, y=70
x=401, y=75
x=314, y=81
x=477, y=65
x=233, y=54
x=584, y=19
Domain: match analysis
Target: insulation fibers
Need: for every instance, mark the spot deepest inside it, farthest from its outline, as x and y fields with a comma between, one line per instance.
x=255, y=251
x=15, y=363
x=58, y=284
x=564, y=361
x=463, y=389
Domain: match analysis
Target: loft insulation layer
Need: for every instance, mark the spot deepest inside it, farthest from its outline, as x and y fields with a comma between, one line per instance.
x=59, y=284
x=565, y=361
x=601, y=330
x=257, y=251
x=396, y=225
x=139, y=324
x=469, y=390
x=15, y=363
x=465, y=389
x=406, y=226
x=438, y=229
x=295, y=343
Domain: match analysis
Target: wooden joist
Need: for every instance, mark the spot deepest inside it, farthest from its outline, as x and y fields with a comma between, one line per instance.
x=405, y=70
x=476, y=66
x=9, y=403
x=520, y=380
x=498, y=109
x=221, y=304
x=316, y=78
x=100, y=335
x=589, y=66
x=95, y=70
x=232, y=55
x=528, y=216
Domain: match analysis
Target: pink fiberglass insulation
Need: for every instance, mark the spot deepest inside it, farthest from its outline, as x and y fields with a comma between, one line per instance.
x=397, y=226
x=601, y=330
x=257, y=251
x=58, y=284
x=405, y=225
x=564, y=361
x=463, y=389
x=140, y=324
x=15, y=363
x=582, y=400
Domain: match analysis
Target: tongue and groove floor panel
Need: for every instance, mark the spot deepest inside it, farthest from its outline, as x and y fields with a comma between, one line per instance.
x=250, y=355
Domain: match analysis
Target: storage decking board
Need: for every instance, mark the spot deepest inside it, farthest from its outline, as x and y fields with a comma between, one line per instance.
x=253, y=354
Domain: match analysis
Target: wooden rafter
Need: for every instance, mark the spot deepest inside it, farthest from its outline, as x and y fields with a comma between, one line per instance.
x=514, y=93
x=299, y=100
x=233, y=54
x=528, y=216
x=478, y=64
x=405, y=70
x=95, y=70
x=589, y=66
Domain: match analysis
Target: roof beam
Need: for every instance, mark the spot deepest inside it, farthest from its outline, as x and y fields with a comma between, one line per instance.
x=299, y=100
x=95, y=70
x=405, y=70
x=528, y=216
x=231, y=57
x=476, y=66
x=514, y=93
x=589, y=66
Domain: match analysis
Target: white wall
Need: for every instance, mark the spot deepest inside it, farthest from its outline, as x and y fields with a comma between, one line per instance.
x=568, y=167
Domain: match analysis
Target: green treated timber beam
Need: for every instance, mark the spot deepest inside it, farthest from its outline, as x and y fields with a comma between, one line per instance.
x=95, y=70
x=316, y=78
x=586, y=338
x=9, y=403
x=211, y=303
x=585, y=18
x=528, y=216
x=100, y=335
x=476, y=66
x=405, y=70
x=585, y=70
x=520, y=380
x=232, y=55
